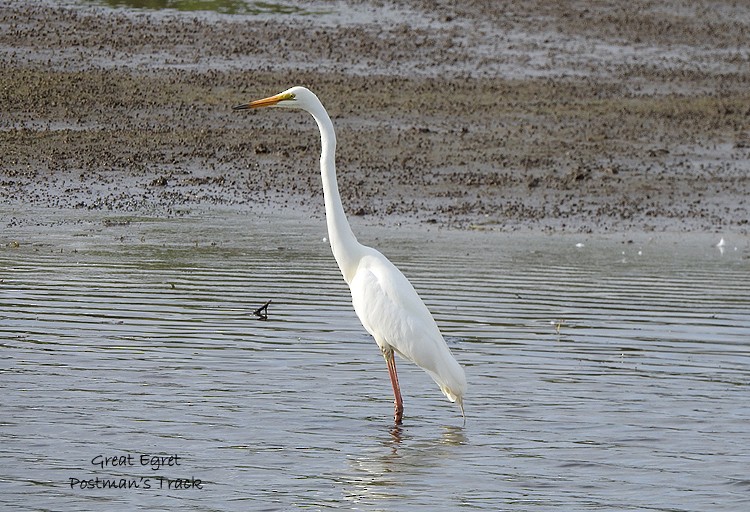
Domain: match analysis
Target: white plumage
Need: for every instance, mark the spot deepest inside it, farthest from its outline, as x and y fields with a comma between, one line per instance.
x=394, y=314
x=384, y=300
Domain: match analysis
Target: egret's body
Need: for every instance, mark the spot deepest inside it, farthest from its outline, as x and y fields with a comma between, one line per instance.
x=384, y=300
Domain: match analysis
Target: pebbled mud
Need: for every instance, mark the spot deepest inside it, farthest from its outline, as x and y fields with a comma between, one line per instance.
x=577, y=116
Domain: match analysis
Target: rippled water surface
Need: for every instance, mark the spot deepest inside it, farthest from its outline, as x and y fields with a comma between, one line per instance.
x=604, y=376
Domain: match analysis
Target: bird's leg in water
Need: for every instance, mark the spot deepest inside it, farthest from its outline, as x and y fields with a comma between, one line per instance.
x=398, y=403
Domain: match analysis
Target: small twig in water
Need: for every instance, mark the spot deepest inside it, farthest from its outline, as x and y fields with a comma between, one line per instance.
x=558, y=324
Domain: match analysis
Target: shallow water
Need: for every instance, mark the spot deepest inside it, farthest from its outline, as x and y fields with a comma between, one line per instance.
x=130, y=336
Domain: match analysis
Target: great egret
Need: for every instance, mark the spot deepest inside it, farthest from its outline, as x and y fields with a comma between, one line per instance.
x=384, y=300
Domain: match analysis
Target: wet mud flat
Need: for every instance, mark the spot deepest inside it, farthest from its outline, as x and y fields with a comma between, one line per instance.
x=573, y=117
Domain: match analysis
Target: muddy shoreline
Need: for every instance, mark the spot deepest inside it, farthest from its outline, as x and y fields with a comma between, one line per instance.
x=576, y=118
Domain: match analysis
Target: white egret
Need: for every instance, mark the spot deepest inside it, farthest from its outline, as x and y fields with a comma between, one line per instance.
x=384, y=300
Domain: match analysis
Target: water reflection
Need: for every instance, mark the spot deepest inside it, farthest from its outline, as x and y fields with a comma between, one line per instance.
x=393, y=464
x=396, y=433
x=452, y=435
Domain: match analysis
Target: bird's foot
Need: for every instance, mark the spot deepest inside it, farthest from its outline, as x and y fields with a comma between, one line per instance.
x=398, y=413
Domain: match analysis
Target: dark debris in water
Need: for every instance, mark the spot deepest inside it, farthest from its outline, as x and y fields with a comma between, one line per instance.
x=262, y=312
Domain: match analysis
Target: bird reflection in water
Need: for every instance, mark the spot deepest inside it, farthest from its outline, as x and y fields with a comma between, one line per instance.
x=380, y=472
x=396, y=432
x=452, y=436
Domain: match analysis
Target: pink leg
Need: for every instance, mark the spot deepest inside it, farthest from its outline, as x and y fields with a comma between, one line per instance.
x=398, y=402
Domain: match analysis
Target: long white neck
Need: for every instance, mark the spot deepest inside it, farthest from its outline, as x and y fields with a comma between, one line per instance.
x=346, y=249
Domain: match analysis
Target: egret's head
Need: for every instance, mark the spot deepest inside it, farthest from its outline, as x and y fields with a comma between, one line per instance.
x=296, y=97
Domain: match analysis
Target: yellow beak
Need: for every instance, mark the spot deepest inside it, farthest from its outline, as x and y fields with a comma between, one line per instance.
x=265, y=102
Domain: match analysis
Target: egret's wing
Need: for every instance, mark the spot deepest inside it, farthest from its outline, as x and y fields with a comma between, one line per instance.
x=391, y=310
